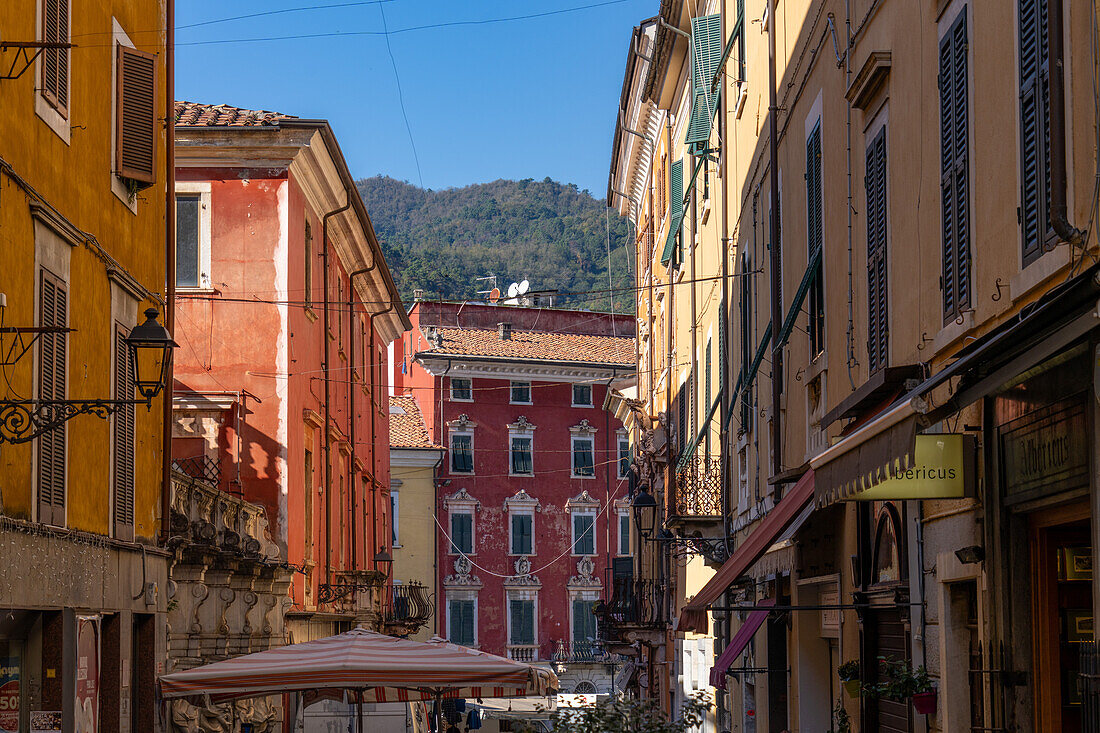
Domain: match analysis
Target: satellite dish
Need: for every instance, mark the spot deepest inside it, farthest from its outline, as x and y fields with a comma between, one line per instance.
x=513, y=290
x=494, y=295
x=523, y=287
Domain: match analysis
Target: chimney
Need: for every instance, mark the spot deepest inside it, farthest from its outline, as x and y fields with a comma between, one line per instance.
x=418, y=294
x=505, y=331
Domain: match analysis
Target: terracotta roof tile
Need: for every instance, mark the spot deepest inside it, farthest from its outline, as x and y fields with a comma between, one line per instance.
x=194, y=114
x=407, y=428
x=535, y=345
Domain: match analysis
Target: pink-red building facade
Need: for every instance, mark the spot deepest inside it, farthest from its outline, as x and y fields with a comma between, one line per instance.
x=531, y=501
x=285, y=309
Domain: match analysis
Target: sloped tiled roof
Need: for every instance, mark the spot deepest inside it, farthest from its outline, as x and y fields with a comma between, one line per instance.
x=194, y=114
x=407, y=428
x=534, y=345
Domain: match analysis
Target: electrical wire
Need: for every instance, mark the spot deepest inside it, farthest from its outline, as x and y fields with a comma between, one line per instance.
x=401, y=95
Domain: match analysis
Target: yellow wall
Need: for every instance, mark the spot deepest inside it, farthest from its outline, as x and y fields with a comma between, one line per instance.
x=75, y=178
x=415, y=559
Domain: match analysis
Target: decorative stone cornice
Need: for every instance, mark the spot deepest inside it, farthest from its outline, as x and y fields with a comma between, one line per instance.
x=437, y=365
x=583, y=578
x=462, y=423
x=463, y=576
x=582, y=500
x=522, y=500
x=583, y=428
x=521, y=425
x=523, y=577
x=461, y=499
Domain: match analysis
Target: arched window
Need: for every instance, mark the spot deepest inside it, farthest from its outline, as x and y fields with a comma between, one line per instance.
x=585, y=687
x=887, y=549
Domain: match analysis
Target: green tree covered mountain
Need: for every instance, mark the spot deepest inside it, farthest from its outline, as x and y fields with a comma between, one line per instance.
x=547, y=232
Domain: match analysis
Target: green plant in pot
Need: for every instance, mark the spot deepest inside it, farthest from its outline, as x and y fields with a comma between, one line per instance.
x=841, y=718
x=898, y=681
x=849, y=676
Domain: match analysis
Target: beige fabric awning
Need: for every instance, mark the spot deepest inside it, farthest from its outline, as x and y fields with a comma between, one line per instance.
x=871, y=454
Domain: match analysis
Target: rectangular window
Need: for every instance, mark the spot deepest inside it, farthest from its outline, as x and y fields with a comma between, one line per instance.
x=55, y=61
x=462, y=533
x=307, y=270
x=522, y=538
x=747, y=346
x=583, y=457
x=707, y=392
x=1035, y=66
x=955, y=169
x=122, y=435
x=462, y=389
x=521, y=455
x=188, y=241
x=461, y=615
x=394, y=516
x=584, y=534
x=52, y=380
x=136, y=114
x=624, y=457
x=307, y=494
x=521, y=630
x=521, y=393
x=582, y=395
x=462, y=454
x=624, y=534
x=878, y=323
x=584, y=627
x=814, y=239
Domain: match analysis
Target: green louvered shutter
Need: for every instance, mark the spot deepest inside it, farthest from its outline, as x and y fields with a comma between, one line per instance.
x=675, y=208
x=1034, y=58
x=955, y=176
x=706, y=53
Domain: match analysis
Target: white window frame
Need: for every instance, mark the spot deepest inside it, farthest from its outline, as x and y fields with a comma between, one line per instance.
x=202, y=188
x=395, y=515
x=620, y=515
x=573, y=395
x=592, y=596
x=521, y=429
x=461, y=503
x=462, y=596
x=521, y=595
x=521, y=503
x=511, y=530
x=451, y=389
x=573, y=440
x=620, y=438
x=452, y=546
x=530, y=392
x=450, y=451
x=573, y=532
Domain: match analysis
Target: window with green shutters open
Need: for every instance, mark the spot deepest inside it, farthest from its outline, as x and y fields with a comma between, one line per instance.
x=521, y=627
x=707, y=396
x=675, y=212
x=706, y=53
x=745, y=307
x=462, y=533
x=122, y=439
x=814, y=241
x=1035, y=65
x=878, y=321
x=52, y=370
x=461, y=621
x=522, y=534
x=955, y=169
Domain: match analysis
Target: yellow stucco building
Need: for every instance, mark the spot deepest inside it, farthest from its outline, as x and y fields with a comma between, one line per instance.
x=83, y=587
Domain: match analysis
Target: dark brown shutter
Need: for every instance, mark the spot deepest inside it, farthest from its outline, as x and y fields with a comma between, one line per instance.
x=815, y=235
x=52, y=361
x=55, y=61
x=122, y=459
x=1034, y=58
x=136, y=111
x=878, y=325
x=955, y=176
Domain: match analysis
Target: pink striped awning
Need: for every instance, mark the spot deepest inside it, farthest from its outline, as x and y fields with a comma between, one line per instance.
x=368, y=666
x=741, y=640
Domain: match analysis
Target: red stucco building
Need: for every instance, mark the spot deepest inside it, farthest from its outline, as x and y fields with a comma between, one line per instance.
x=531, y=500
x=285, y=308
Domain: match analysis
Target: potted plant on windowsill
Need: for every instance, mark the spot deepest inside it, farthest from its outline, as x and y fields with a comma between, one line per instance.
x=849, y=677
x=899, y=682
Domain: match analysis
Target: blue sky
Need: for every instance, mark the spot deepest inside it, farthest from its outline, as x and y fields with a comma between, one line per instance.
x=518, y=99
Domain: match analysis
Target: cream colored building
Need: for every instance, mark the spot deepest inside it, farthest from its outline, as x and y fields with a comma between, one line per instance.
x=935, y=164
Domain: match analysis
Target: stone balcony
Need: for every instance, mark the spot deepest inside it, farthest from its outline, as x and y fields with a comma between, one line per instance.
x=524, y=652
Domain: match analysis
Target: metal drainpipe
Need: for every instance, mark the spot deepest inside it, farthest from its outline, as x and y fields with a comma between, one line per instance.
x=352, y=420
x=776, y=309
x=669, y=327
x=328, y=387
x=1059, y=214
x=169, y=262
x=693, y=400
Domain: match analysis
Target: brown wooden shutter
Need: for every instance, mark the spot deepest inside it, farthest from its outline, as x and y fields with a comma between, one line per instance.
x=136, y=125
x=52, y=362
x=55, y=61
x=878, y=321
x=122, y=459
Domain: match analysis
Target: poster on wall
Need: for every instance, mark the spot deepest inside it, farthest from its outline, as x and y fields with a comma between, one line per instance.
x=46, y=721
x=9, y=694
x=87, y=675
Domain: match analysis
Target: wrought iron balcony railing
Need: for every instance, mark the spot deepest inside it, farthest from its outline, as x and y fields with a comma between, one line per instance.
x=636, y=603
x=406, y=603
x=578, y=652
x=523, y=652
x=698, y=488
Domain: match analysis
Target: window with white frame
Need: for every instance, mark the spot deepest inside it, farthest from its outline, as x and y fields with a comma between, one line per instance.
x=584, y=456
x=522, y=526
x=584, y=627
x=462, y=621
x=582, y=519
x=521, y=393
x=521, y=442
x=462, y=533
x=624, y=532
x=193, y=235
x=521, y=620
x=462, y=389
x=394, y=514
x=582, y=395
x=461, y=444
x=623, y=454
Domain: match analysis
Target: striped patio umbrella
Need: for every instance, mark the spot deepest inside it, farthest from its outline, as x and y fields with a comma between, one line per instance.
x=366, y=667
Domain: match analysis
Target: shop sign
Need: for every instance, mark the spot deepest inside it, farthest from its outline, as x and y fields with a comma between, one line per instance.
x=9, y=695
x=943, y=468
x=1046, y=450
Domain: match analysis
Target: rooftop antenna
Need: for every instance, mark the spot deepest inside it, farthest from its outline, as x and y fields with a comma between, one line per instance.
x=492, y=280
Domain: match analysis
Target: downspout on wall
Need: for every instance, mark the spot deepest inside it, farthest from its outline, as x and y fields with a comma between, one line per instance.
x=170, y=261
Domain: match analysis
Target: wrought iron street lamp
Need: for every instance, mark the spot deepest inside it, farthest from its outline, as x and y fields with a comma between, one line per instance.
x=150, y=352
x=645, y=512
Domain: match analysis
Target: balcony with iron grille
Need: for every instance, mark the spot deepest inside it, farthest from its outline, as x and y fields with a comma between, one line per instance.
x=565, y=651
x=406, y=608
x=697, y=497
x=635, y=605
